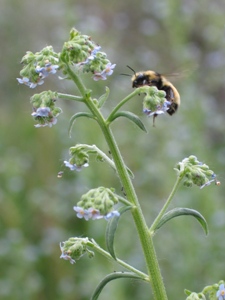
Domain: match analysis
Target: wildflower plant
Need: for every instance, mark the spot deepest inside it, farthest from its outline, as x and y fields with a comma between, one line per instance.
x=81, y=54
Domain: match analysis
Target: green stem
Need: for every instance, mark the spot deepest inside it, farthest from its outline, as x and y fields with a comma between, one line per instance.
x=102, y=154
x=122, y=102
x=168, y=201
x=152, y=265
x=78, y=82
x=96, y=247
x=70, y=97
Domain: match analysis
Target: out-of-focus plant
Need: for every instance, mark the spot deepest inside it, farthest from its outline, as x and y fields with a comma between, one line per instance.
x=81, y=54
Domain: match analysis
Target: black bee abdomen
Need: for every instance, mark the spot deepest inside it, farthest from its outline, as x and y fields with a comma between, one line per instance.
x=172, y=109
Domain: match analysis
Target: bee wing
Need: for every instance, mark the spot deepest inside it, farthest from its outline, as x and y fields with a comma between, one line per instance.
x=181, y=74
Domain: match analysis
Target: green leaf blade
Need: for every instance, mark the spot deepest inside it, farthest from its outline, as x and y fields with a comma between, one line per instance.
x=111, y=230
x=103, y=98
x=110, y=277
x=76, y=116
x=132, y=117
x=176, y=212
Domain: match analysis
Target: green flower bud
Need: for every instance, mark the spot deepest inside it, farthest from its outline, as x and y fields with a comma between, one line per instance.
x=44, y=109
x=74, y=249
x=195, y=172
x=96, y=204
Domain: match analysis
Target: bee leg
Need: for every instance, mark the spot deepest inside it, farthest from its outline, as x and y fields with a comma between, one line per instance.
x=154, y=116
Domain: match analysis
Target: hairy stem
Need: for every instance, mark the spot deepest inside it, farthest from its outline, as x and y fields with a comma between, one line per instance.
x=152, y=265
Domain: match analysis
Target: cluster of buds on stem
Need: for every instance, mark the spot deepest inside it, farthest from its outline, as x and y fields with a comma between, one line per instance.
x=44, y=109
x=82, y=52
x=154, y=102
x=37, y=66
x=195, y=172
x=97, y=204
x=74, y=249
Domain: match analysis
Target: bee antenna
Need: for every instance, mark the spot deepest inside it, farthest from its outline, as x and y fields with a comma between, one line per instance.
x=132, y=70
x=125, y=74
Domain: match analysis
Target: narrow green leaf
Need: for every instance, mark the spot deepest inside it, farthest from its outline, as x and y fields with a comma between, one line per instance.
x=76, y=116
x=131, y=174
x=176, y=212
x=111, y=230
x=110, y=277
x=103, y=98
x=132, y=117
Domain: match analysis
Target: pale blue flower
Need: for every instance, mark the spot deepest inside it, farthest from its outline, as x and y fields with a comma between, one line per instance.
x=221, y=292
x=46, y=70
x=41, y=112
x=65, y=255
x=112, y=214
x=74, y=166
x=28, y=83
x=83, y=213
x=106, y=72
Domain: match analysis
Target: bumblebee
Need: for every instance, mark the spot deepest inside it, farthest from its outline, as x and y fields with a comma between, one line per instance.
x=152, y=78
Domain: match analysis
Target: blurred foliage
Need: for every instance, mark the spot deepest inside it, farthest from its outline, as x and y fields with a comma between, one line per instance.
x=36, y=207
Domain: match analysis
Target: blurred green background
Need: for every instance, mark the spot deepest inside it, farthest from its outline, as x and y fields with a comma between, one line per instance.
x=36, y=207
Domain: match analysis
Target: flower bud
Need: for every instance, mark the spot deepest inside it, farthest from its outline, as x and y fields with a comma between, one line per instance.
x=85, y=54
x=79, y=158
x=154, y=102
x=97, y=204
x=44, y=109
x=74, y=249
x=195, y=172
x=38, y=66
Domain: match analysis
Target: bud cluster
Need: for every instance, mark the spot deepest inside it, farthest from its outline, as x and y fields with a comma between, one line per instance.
x=195, y=172
x=85, y=54
x=154, y=102
x=79, y=158
x=211, y=292
x=74, y=249
x=97, y=204
x=37, y=66
x=44, y=109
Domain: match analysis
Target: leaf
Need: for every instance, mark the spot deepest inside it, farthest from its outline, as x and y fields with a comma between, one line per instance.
x=110, y=277
x=131, y=174
x=111, y=229
x=132, y=117
x=76, y=116
x=104, y=97
x=176, y=212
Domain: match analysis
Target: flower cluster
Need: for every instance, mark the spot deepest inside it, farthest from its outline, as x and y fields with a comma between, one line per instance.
x=37, y=66
x=79, y=158
x=74, y=249
x=93, y=213
x=85, y=54
x=212, y=292
x=154, y=102
x=97, y=204
x=195, y=172
x=44, y=110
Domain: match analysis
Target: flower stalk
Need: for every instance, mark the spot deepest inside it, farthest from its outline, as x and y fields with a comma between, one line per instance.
x=157, y=284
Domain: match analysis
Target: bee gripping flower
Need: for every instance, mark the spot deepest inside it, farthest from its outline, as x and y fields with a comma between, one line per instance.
x=154, y=103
